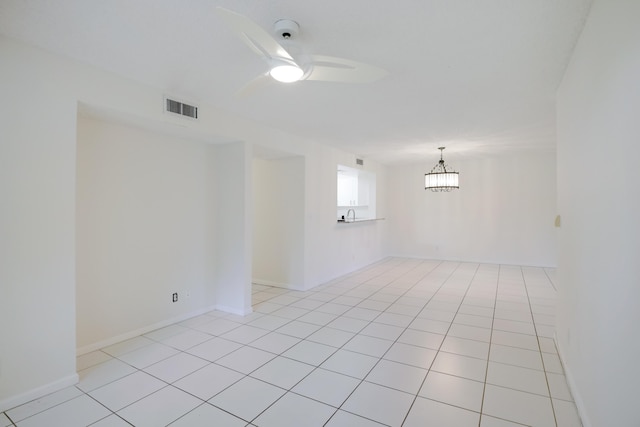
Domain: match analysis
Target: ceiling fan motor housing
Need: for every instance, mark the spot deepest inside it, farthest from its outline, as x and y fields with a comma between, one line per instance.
x=286, y=28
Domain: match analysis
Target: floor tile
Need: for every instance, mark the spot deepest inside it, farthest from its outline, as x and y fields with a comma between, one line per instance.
x=125, y=391
x=269, y=322
x=167, y=331
x=317, y=318
x=421, y=339
x=282, y=372
x=430, y=325
x=398, y=376
x=332, y=337
x=429, y=412
x=247, y=398
x=349, y=363
x=379, y=330
x=160, y=408
x=104, y=373
x=346, y=419
x=327, y=387
x=293, y=410
x=461, y=366
x=4, y=421
x=77, y=412
x=245, y=359
x=472, y=320
x=275, y=342
x=207, y=415
x=516, y=377
x=38, y=405
x=290, y=313
x=186, y=339
x=91, y=359
x=552, y=363
x=566, y=413
x=411, y=355
x=244, y=334
x=466, y=347
x=126, y=346
x=148, y=355
x=518, y=406
x=310, y=352
x=176, y=367
x=298, y=329
x=362, y=313
x=208, y=381
x=470, y=332
x=558, y=386
x=453, y=390
x=514, y=326
x=111, y=421
x=394, y=319
x=348, y=324
x=214, y=349
x=487, y=421
x=515, y=356
x=306, y=303
x=511, y=339
x=379, y=403
x=371, y=346
x=218, y=326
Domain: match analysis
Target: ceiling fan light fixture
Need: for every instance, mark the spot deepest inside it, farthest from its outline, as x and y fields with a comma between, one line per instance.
x=286, y=73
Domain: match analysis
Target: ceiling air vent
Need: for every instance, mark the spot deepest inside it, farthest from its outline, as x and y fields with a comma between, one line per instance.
x=177, y=107
x=360, y=162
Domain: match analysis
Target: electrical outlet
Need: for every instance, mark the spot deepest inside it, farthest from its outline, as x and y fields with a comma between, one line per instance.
x=174, y=297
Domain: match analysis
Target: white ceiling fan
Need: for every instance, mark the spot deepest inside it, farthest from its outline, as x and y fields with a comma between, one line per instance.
x=285, y=61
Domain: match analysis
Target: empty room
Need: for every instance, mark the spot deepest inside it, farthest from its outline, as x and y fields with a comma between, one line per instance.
x=281, y=213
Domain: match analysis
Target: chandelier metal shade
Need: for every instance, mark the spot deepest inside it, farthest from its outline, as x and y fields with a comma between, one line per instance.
x=441, y=177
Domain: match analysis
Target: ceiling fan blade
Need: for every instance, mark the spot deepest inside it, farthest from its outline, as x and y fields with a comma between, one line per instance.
x=255, y=85
x=333, y=69
x=253, y=35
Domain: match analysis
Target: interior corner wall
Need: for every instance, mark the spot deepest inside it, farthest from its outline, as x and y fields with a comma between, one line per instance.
x=598, y=321
x=503, y=212
x=142, y=211
x=37, y=229
x=233, y=223
x=278, y=222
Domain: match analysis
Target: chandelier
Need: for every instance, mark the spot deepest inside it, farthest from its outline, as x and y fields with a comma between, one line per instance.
x=441, y=178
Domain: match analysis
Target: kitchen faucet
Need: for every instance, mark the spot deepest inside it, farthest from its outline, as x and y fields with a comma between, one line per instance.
x=354, y=214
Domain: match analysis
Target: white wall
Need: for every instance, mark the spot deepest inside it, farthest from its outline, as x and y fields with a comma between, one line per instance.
x=278, y=222
x=141, y=208
x=502, y=213
x=234, y=207
x=38, y=219
x=37, y=229
x=599, y=200
x=334, y=249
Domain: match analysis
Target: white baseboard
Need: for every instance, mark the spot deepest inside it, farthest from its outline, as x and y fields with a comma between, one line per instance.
x=141, y=331
x=577, y=398
x=38, y=392
x=277, y=284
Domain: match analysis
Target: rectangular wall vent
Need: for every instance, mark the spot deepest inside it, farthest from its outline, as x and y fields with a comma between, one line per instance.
x=181, y=108
x=360, y=162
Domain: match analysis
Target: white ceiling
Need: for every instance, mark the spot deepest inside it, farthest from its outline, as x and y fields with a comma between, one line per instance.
x=478, y=76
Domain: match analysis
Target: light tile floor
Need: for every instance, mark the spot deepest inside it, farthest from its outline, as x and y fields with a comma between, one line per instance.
x=403, y=342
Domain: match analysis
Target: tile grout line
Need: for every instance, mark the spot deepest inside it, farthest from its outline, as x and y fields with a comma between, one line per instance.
x=493, y=318
x=445, y=335
x=544, y=368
